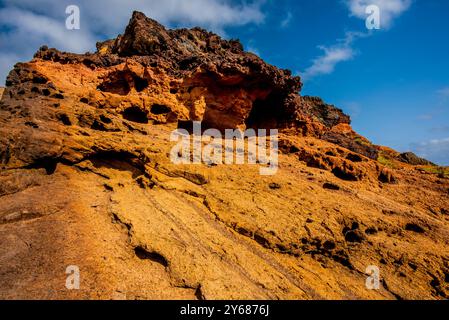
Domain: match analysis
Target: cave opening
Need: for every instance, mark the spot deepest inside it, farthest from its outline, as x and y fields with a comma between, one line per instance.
x=159, y=109
x=48, y=163
x=266, y=113
x=140, y=84
x=118, y=160
x=135, y=114
x=118, y=86
x=121, y=83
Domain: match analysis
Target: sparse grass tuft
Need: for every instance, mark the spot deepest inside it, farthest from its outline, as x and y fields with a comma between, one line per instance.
x=440, y=171
x=385, y=161
x=362, y=141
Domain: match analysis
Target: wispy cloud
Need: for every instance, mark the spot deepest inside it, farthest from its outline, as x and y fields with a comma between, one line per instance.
x=205, y=13
x=342, y=51
x=436, y=150
x=287, y=20
x=389, y=9
x=27, y=24
x=326, y=63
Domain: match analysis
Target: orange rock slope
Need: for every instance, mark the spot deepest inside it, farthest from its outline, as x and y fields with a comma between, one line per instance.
x=87, y=181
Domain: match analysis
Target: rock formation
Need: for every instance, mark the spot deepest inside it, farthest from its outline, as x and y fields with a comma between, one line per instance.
x=411, y=158
x=86, y=180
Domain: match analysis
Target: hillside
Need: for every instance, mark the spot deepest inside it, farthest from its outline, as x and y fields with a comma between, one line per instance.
x=87, y=180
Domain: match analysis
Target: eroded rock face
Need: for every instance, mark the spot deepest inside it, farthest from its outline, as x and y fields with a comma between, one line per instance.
x=86, y=180
x=212, y=79
x=207, y=78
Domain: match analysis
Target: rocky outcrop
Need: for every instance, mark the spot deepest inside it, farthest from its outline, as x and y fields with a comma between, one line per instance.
x=328, y=115
x=211, y=79
x=86, y=180
x=215, y=80
x=353, y=142
x=413, y=159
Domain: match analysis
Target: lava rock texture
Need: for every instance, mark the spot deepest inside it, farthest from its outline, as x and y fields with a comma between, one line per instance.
x=86, y=180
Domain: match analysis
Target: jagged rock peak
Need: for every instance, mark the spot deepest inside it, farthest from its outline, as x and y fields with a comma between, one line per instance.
x=144, y=36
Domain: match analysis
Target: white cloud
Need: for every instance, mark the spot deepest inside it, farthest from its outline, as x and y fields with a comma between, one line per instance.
x=326, y=63
x=436, y=150
x=28, y=24
x=110, y=16
x=286, y=21
x=389, y=9
x=344, y=49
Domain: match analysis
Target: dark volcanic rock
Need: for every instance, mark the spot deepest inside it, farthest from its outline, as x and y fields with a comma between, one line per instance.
x=327, y=114
x=143, y=37
x=413, y=159
x=352, y=144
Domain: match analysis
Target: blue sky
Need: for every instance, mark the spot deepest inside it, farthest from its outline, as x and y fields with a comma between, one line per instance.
x=394, y=82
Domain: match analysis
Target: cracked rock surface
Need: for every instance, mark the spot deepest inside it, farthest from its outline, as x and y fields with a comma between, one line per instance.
x=86, y=180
